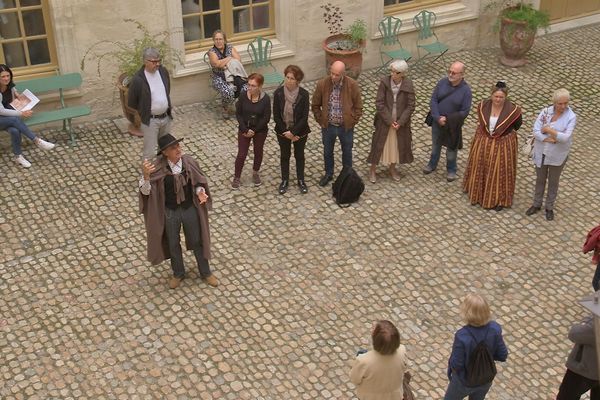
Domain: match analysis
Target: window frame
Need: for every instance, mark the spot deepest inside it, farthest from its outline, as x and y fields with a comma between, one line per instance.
x=413, y=5
x=38, y=70
x=227, y=24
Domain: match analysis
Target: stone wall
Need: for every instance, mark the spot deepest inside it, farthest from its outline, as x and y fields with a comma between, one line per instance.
x=79, y=24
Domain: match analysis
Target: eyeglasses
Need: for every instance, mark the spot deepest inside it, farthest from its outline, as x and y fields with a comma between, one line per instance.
x=454, y=72
x=157, y=61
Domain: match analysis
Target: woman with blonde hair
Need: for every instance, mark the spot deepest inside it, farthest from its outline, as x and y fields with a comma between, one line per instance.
x=479, y=327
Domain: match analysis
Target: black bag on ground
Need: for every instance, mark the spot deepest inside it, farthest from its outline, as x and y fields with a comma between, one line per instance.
x=347, y=187
x=481, y=368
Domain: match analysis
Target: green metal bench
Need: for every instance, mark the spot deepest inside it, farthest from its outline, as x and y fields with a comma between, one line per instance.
x=50, y=84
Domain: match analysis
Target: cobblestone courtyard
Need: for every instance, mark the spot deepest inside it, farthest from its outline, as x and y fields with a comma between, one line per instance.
x=83, y=315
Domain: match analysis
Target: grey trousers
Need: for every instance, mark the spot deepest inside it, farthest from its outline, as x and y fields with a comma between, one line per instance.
x=550, y=173
x=157, y=127
x=191, y=228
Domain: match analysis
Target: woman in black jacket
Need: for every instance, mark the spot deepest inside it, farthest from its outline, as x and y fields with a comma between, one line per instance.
x=253, y=112
x=290, y=111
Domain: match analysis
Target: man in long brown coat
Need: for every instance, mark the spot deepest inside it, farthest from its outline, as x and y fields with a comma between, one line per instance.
x=174, y=192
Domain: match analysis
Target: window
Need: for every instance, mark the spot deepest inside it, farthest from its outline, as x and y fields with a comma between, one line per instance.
x=239, y=19
x=27, y=45
x=393, y=6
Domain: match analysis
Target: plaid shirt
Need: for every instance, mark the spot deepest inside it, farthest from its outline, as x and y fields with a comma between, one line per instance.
x=335, y=104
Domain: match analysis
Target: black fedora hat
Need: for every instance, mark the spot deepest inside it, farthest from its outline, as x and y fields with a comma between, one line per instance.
x=166, y=141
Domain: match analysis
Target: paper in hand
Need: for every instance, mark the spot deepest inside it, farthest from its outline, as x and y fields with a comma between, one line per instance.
x=26, y=101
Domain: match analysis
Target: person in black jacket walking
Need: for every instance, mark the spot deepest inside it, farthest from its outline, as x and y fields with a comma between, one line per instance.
x=291, y=104
x=149, y=93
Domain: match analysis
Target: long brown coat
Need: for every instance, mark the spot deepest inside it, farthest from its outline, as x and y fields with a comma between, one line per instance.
x=405, y=106
x=153, y=208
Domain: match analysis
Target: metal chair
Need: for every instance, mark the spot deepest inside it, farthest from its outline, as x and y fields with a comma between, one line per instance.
x=389, y=28
x=424, y=22
x=259, y=50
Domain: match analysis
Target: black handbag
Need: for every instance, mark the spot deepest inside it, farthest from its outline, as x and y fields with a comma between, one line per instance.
x=429, y=117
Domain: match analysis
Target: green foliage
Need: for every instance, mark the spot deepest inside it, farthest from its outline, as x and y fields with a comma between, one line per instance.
x=524, y=12
x=357, y=32
x=128, y=54
x=519, y=10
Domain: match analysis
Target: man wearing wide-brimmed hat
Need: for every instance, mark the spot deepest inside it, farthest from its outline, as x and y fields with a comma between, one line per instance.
x=174, y=192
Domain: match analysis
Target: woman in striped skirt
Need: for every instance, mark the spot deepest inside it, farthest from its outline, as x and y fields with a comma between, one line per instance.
x=492, y=166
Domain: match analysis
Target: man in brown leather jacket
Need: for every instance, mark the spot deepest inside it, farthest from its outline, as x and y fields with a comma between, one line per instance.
x=337, y=107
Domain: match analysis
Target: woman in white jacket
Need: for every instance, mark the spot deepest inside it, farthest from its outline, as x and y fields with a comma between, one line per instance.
x=553, y=133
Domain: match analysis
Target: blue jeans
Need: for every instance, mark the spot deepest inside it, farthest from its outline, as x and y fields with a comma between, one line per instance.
x=436, y=150
x=457, y=391
x=346, y=140
x=15, y=126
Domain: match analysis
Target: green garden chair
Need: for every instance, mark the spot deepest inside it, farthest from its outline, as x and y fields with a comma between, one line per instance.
x=389, y=28
x=259, y=50
x=427, y=40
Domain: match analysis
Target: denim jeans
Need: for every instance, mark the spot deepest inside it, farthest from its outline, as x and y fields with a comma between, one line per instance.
x=436, y=150
x=15, y=126
x=329, y=135
x=457, y=391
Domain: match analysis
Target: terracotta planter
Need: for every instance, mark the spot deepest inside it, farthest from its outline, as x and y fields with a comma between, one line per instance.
x=516, y=39
x=132, y=115
x=352, y=58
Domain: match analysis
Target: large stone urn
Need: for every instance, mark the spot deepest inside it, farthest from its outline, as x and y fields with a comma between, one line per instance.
x=132, y=115
x=335, y=48
x=516, y=39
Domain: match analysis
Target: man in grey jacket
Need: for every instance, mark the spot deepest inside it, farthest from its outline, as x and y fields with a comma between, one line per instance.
x=582, y=364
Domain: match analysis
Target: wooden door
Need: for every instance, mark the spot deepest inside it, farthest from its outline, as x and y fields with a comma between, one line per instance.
x=561, y=10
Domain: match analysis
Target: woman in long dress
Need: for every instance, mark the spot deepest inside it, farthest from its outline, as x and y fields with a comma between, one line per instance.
x=392, y=139
x=492, y=166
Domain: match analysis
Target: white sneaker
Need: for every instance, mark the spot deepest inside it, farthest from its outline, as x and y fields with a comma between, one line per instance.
x=23, y=161
x=42, y=144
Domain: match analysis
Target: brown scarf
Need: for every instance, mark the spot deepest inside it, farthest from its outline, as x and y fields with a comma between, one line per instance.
x=288, y=108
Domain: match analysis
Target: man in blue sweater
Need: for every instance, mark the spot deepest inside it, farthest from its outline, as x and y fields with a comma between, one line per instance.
x=450, y=105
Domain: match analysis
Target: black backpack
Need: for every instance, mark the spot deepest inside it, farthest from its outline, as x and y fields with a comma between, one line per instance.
x=481, y=368
x=347, y=187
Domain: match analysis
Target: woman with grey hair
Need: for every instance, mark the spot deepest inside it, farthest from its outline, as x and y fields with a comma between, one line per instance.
x=395, y=104
x=553, y=133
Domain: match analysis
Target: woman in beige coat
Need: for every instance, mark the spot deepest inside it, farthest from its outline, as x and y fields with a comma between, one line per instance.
x=392, y=139
x=378, y=374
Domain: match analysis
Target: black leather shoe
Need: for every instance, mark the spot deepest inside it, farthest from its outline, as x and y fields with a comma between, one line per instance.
x=283, y=186
x=532, y=210
x=549, y=215
x=498, y=208
x=302, y=186
x=325, y=180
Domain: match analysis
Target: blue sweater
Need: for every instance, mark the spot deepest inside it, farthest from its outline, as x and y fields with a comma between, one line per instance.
x=464, y=345
x=458, y=101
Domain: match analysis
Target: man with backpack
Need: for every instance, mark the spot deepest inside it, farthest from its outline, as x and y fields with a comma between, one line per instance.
x=337, y=107
x=471, y=367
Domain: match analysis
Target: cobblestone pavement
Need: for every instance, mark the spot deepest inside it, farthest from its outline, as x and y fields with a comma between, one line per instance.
x=83, y=315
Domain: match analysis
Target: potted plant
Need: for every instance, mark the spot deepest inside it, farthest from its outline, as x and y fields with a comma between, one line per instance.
x=518, y=22
x=343, y=45
x=128, y=57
